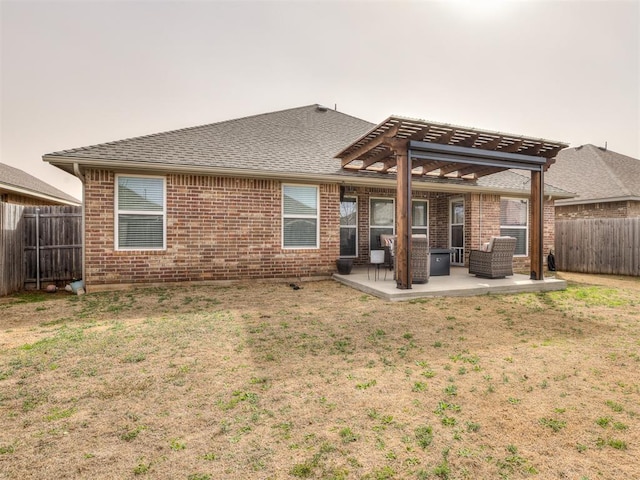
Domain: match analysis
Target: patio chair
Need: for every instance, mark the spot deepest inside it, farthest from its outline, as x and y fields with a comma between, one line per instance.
x=387, y=242
x=495, y=260
x=420, y=258
x=376, y=259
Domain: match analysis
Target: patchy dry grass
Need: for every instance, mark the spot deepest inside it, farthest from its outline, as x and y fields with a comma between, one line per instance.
x=261, y=381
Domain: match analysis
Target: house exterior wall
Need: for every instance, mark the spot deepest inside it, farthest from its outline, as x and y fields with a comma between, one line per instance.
x=217, y=229
x=438, y=216
x=220, y=229
x=621, y=209
x=483, y=221
x=17, y=199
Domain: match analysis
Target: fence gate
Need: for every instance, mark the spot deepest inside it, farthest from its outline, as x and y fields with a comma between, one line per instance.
x=52, y=245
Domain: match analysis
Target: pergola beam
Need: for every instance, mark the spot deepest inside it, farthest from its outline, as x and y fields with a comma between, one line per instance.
x=367, y=147
x=404, y=146
x=375, y=158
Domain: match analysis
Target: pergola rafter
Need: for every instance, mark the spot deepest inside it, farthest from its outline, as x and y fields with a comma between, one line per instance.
x=407, y=147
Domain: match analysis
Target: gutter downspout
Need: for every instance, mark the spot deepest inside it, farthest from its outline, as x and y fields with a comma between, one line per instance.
x=78, y=173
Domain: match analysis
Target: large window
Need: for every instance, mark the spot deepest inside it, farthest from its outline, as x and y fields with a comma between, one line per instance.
x=349, y=227
x=514, y=222
x=140, y=213
x=382, y=219
x=300, y=216
x=420, y=217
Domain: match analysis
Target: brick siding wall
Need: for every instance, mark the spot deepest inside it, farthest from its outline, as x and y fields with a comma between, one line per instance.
x=438, y=216
x=483, y=222
x=229, y=228
x=620, y=209
x=217, y=229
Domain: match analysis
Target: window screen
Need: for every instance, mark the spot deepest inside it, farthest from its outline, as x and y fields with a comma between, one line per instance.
x=300, y=216
x=514, y=222
x=140, y=213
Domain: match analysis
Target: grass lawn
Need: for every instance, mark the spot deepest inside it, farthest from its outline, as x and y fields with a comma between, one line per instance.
x=262, y=381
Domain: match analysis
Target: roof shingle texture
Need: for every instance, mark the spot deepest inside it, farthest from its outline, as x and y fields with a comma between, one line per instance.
x=14, y=177
x=595, y=174
x=300, y=139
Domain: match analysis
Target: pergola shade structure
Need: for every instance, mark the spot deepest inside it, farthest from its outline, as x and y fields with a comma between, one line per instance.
x=411, y=148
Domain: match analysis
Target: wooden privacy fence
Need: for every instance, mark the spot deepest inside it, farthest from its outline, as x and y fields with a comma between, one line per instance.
x=39, y=245
x=53, y=244
x=598, y=245
x=11, y=248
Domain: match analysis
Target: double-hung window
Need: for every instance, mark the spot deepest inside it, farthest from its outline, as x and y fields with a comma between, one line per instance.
x=514, y=222
x=382, y=216
x=382, y=219
x=300, y=219
x=349, y=227
x=419, y=217
x=140, y=222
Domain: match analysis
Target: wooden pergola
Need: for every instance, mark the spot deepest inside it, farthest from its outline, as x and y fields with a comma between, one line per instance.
x=410, y=148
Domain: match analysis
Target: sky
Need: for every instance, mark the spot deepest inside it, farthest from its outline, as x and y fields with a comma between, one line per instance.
x=78, y=73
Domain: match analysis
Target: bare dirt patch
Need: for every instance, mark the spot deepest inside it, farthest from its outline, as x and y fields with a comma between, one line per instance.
x=263, y=381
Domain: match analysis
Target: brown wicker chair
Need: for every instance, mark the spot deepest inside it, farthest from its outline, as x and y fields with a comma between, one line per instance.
x=497, y=262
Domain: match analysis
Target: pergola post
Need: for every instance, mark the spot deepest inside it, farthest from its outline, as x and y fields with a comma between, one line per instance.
x=403, y=216
x=537, y=224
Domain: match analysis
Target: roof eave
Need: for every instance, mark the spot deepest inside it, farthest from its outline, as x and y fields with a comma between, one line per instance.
x=35, y=194
x=568, y=202
x=66, y=163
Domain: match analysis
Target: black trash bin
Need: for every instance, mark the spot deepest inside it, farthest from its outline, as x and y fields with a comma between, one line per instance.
x=440, y=262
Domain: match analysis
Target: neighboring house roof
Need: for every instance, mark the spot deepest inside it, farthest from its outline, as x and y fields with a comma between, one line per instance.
x=298, y=143
x=515, y=180
x=19, y=182
x=595, y=174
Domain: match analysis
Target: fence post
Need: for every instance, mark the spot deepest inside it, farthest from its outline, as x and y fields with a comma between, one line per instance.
x=37, y=249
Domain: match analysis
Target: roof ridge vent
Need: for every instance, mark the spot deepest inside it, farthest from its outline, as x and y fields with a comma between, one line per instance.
x=321, y=108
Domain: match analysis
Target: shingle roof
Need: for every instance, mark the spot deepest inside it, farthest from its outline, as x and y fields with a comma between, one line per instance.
x=595, y=174
x=280, y=141
x=303, y=140
x=16, y=180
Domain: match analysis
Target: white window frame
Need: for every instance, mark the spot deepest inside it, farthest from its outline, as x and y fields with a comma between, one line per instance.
x=422, y=227
x=316, y=217
x=118, y=212
x=393, y=223
x=413, y=200
x=518, y=227
x=352, y=226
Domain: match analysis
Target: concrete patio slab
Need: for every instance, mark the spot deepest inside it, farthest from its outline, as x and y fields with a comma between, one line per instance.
x=458, y=284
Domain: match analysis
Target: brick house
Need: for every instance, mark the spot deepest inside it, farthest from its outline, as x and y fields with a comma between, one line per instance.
x=606, y=184
x=265, y=197
x=20, y=188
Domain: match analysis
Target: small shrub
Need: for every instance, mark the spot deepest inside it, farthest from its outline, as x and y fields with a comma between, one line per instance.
x=451, y=390
x=424, y=436
x=347, y=435
x=177, y=445
x=419, y=387
x=616, y=407
x=302, y=470
x=141, y=468
x=553, y=424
